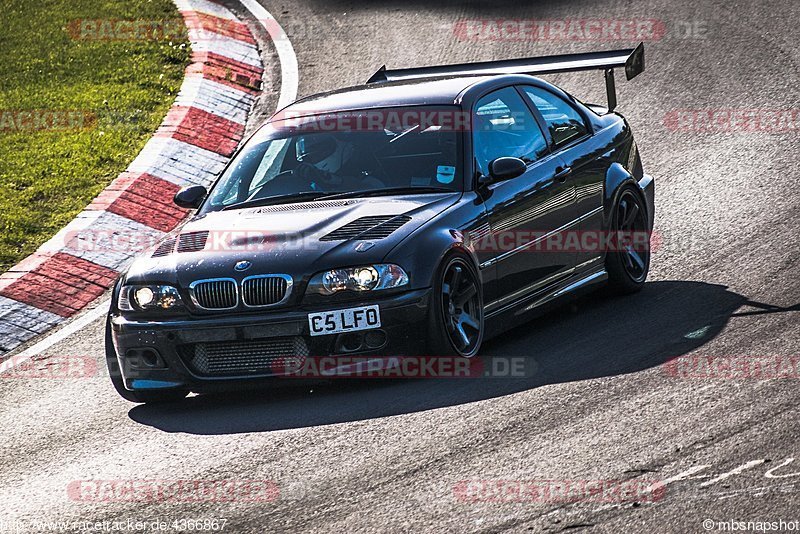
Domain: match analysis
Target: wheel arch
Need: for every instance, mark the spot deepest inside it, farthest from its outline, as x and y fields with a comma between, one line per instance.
x=617, y=177
x=424, y=254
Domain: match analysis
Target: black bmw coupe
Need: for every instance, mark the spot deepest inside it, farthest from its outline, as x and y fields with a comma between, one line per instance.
x=417, y=214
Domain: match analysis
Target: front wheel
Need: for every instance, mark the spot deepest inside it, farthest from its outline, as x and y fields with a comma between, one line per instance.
x=456, y=312
x=628, y=262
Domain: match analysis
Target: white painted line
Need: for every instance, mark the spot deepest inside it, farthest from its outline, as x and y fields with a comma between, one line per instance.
x=686, y=475
x=787, y=461
x=78, y=324
x=732, y=472
x=290, y=73
x=288, y=93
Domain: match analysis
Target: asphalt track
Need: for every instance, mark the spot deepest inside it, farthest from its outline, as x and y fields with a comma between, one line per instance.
x=597, y=404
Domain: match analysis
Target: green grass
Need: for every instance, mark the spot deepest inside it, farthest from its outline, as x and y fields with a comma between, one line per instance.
x=48, y=175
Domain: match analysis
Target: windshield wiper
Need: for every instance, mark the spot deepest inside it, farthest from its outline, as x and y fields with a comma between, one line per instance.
x=276, y=199
x=388, y=191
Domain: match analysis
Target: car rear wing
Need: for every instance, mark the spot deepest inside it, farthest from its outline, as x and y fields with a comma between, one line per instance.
x=632, y=59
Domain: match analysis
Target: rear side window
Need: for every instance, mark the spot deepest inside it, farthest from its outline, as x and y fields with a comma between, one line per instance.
x=563, y=120
x=505, y=127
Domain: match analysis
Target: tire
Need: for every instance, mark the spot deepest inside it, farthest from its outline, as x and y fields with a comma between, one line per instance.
x=628, y=262
x=172, y=395
x=455, y=317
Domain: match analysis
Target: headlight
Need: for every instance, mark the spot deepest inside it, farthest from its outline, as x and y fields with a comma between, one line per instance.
x=366, y=278
x=139, y=298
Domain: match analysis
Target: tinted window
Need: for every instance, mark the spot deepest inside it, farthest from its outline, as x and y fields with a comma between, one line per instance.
x=563, y=121
x=367, y=150
x=504, y=126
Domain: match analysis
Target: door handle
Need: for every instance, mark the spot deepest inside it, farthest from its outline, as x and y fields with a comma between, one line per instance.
x=562, y=173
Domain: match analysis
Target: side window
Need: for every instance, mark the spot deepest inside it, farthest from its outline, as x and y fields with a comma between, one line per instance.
x=563, y=121
x=504, y=127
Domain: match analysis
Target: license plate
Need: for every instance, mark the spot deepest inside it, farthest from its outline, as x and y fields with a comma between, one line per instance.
x=349, y=320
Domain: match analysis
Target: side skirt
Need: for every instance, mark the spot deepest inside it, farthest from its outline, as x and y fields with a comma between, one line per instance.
x=529, y=307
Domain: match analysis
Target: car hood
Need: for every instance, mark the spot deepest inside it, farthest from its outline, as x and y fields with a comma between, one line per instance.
x=292, y=239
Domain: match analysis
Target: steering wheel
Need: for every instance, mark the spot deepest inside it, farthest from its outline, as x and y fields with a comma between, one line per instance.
x=283, y=183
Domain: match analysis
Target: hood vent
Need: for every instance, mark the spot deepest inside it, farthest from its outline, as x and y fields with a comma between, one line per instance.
x=304, y=206
x=192, y=241
x=374, y=227
x=165, y=248
x=189, y=242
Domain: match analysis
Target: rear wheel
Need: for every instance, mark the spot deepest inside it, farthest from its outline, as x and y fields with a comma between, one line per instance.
x=172, y=395
x=456, y=313
x=629, y=261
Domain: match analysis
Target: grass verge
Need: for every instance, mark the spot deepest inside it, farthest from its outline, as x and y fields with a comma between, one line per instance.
x=82, y=89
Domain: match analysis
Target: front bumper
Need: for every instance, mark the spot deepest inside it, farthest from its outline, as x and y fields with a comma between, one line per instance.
x=647, y=184
x=173, y=341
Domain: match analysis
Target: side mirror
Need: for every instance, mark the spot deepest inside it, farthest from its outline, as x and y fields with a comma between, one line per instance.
x=504, y=169
x=190, y=197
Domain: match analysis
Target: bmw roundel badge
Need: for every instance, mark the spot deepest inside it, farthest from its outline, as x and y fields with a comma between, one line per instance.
x=243, y=265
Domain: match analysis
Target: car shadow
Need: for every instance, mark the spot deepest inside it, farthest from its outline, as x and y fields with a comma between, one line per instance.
x=590, y=338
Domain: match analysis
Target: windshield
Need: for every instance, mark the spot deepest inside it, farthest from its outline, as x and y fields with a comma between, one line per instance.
x=371, y=151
